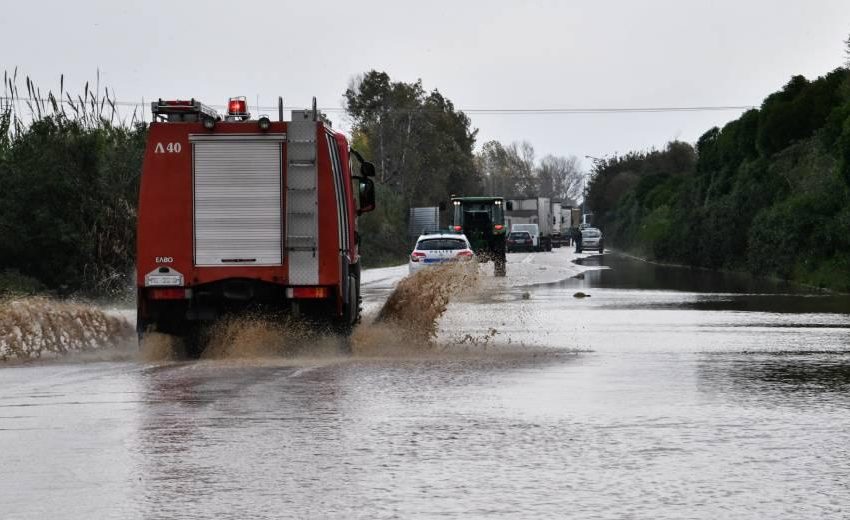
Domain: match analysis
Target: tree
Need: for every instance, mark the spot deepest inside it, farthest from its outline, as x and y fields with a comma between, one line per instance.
x=422, y=146
x=423, y=151
x=559, y=178
x=847, y=53
x=522, y=171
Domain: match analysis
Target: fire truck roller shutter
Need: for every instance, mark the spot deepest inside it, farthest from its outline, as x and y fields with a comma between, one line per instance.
x=237, y=199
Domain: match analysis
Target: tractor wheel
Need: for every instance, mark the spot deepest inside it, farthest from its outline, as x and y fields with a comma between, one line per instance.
x=499, y=266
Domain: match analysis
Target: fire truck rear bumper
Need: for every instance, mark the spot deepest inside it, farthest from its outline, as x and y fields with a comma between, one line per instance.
x=208, y=302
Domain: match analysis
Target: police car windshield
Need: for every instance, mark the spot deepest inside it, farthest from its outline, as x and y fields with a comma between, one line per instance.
x=440, y=244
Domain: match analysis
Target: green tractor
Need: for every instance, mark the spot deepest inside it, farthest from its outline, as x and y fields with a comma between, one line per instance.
x=482, y=220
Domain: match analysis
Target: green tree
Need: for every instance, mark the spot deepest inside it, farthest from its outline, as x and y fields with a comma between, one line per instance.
x=423, y=151
x=422, y=146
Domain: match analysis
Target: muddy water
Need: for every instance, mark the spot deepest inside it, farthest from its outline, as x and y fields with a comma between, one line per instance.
x=649, y=399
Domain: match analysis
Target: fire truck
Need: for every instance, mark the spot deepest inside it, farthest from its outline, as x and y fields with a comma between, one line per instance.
x=241, y=214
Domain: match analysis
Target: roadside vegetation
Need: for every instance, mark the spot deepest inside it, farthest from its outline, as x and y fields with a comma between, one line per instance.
x=767, y=193
x=69, y=168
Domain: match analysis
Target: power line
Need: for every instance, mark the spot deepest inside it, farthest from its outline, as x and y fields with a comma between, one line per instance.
x=478, y=111
x=605, y=110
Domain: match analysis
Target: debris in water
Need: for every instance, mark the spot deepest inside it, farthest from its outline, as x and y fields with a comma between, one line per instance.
x=479, y=341
x=36, y=327
x=526, y=295
x=581, y=295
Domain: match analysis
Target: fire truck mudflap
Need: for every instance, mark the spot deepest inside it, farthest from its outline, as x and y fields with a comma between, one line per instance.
x=247, y=215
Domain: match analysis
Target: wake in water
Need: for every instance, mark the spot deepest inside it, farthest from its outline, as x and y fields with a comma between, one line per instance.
x=36, y=327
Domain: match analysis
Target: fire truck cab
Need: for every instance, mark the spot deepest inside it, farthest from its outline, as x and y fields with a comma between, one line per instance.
x=239, y=214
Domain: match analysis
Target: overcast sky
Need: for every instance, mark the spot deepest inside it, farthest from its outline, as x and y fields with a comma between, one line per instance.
x=481, y=55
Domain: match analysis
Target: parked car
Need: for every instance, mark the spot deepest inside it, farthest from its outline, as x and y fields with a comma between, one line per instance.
x=520, y=241
x=437, y=249
x=591, y=238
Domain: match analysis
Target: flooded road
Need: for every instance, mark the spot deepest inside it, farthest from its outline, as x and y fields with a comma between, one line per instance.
x=667, y=393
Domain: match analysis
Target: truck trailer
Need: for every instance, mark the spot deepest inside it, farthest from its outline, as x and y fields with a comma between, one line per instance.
x=536, y=210
x=557, y=223
x=241, y=214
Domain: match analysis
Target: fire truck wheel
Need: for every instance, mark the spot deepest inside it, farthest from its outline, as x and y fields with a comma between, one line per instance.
x=351, y=315
x=192, y=341
x=352, y=308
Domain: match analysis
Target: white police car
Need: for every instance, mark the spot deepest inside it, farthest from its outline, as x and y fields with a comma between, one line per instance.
x=439, y=248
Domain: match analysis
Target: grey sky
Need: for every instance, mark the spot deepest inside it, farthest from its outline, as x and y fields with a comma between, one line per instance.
x=482, y=54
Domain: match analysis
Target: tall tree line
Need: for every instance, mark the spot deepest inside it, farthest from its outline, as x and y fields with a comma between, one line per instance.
x=768, y=192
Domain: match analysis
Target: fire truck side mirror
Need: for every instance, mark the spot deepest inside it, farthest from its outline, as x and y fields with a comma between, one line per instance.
x=509, y=205
x=366, y=195
x=367, y=169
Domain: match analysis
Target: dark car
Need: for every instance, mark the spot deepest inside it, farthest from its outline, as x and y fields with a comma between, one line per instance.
x=520, y=241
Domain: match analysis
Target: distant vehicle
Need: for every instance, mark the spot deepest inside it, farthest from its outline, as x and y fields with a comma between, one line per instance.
x=557, y=223
x=482, y=220
x=520, y=241
x=569, y=220
x=437, y=249
x=533, y=230
x=534, y=210
x=591, y=238
x=422, y=221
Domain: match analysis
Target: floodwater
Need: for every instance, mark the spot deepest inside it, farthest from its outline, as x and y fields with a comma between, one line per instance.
x=667, y=393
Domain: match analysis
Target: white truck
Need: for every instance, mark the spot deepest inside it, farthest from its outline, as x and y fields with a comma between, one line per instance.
x=536, y=210
x=557, y=224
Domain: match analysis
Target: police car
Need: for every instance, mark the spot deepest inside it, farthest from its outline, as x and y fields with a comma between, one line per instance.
x=439, y=248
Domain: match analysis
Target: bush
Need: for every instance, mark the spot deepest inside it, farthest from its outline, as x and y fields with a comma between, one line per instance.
x=67, y=204
x=13, y=283
x=383, y=232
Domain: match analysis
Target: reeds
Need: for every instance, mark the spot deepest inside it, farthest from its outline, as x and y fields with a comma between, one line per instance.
x=92, y=108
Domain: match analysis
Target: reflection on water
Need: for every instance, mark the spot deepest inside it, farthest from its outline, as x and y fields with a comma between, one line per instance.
x=626, y=273
x=791, y=375
x=716, y=291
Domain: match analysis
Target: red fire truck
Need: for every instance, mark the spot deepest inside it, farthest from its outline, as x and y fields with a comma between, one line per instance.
x=239, y=214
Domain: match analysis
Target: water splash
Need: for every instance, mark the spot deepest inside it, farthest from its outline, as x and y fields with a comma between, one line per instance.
x=408, y=320
x=156, y=347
